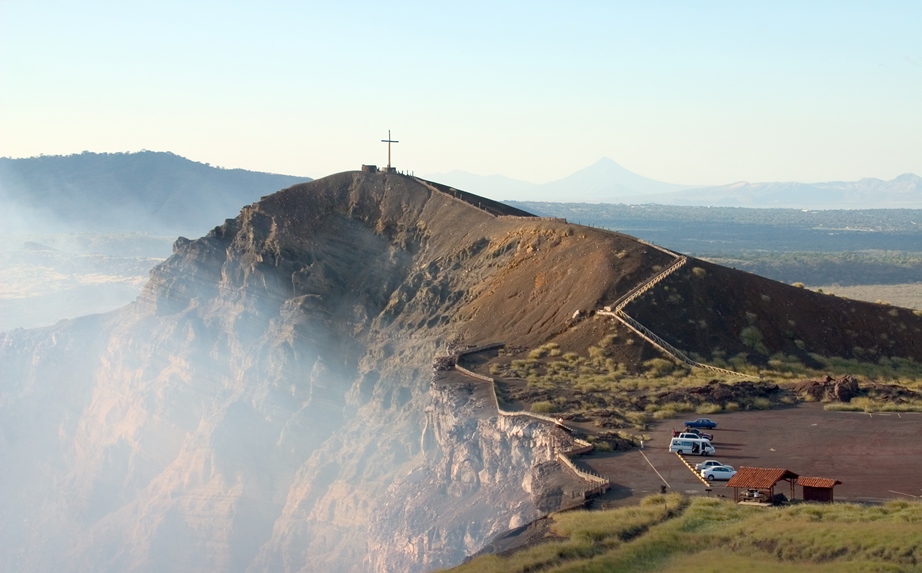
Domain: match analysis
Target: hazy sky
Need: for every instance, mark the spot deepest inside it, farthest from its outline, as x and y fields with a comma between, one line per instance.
x=685, y=92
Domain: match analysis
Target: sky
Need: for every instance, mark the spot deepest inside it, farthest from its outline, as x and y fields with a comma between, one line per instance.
x=704, y=92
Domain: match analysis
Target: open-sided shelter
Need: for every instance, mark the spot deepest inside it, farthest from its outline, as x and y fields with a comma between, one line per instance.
x=817, y=489
x=762, y=480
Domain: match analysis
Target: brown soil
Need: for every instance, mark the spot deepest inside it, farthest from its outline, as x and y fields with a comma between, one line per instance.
x=708, y=313
x=877, y=457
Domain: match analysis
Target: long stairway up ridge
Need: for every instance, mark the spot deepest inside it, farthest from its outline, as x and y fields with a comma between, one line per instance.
x=618, y=313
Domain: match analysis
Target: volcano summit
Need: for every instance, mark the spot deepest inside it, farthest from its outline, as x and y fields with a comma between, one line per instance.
x=269, y=403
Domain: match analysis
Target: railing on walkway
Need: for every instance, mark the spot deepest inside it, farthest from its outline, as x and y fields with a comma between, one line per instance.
x=602, y=484
x=582, y=446
x=532, y=218
x=587, y=475
x=647, y=334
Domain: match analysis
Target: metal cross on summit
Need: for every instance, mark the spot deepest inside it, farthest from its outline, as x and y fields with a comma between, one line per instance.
x=389, y=141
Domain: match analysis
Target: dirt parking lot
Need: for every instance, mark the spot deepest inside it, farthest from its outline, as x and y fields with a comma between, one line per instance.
x=876, y=457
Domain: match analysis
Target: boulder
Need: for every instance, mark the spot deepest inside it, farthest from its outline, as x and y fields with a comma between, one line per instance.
x=846, y=389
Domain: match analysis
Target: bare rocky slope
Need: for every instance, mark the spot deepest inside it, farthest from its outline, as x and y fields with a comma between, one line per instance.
x=716, y=311
x=269, y=402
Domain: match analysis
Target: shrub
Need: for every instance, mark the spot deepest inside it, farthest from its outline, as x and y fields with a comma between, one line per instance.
x=544, y=407
x=637, y=419
x=658, y=367
x=664, y=414
x=798, y=285
x=708, y=409
x=699, y=272
x=678, y=407
x=608, y=340
x=752, y=337
x=852, y=406
x=596, y=353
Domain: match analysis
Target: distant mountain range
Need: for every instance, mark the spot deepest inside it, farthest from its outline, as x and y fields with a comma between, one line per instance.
x=607, y=182
x=601, y=182
x=153, y=192
x=903, y=192
x=163, y=193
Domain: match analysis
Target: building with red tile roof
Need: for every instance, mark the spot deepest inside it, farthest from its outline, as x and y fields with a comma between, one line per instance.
x=817, y=488
x=759, y=483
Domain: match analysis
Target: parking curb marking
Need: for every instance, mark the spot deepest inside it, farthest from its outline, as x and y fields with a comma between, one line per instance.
x=654, y=469
x=689, y=466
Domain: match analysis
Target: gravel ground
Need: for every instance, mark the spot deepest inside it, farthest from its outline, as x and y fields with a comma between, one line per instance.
x=877, y=457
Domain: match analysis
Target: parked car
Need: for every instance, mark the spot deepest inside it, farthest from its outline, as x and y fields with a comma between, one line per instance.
x=701, y=423
x=708, y=464
x=718, y=473
x=691, y=436
x=699, y=433
x=688, y=446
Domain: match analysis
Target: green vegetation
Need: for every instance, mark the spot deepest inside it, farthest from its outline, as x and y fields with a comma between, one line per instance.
x=870, y=404
x=752, y=337
x=599, y=388
x=825, y=268
x=905, y=371
x=543, y=407
x=602, y=389
x=670, y=533
x=859, y=221
x=845, y=247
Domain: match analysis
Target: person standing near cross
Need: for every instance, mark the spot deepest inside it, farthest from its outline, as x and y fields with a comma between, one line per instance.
x=389, y=141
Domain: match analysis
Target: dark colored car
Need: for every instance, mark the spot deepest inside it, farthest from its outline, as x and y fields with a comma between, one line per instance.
x=701, y=423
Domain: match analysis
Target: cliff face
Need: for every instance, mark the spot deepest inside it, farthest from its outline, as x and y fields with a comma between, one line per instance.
x=268, y=403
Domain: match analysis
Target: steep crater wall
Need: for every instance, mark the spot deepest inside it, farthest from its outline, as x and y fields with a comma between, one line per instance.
x=267, y=403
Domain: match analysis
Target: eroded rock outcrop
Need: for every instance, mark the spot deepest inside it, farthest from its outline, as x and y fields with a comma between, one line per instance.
x=841, y=390
x=267, y=404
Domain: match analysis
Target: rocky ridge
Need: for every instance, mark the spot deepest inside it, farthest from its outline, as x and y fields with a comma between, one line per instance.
x=274, y=378
x=269, y=402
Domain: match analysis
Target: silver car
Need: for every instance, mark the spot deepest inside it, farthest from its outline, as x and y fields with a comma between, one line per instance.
x=718, y=473
x=709, y=464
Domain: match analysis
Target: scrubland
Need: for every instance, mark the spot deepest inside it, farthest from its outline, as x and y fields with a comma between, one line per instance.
x=672, y=533
x=595, y=387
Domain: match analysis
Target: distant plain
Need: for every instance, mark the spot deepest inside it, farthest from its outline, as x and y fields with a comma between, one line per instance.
x=905, y=295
